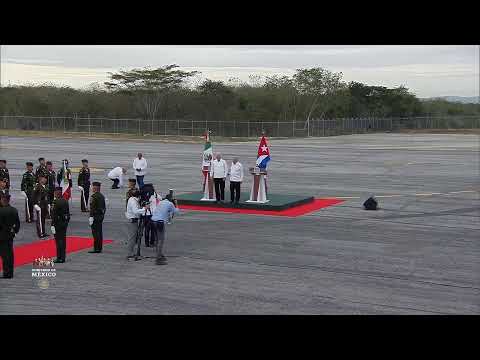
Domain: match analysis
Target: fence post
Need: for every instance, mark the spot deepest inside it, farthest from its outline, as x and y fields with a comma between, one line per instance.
x=192, y=127
x=235, y=128
x=89, y=126
x=248, y=128
x=293, y=122
x=178, y=127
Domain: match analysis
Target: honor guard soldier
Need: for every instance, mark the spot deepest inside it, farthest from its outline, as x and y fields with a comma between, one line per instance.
x=27, y=187
x=3, y=187
x=9, y=226
x=97, y=214
x=60, y=219
x=40, y=204
x=132, y=186
x=51, y=179
x=84, y=185
x=4, y=172
x=41, y=169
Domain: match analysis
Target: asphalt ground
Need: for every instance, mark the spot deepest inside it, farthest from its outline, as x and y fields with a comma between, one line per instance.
x=418, y=254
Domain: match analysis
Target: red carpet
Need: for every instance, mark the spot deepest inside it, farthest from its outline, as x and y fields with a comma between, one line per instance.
x=292, y=212
x=27, y=253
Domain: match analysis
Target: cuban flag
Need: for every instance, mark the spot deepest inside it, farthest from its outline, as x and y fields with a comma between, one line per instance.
x=263, y=154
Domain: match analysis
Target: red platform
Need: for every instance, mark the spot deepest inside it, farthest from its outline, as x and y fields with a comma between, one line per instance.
x=317, y=204
x=27, y=253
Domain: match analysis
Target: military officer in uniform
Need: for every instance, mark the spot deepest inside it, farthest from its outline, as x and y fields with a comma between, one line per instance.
x=27, y=186
x=9, y=226
x=4, y=172
x=41, y=169
x=40, y=204
x=84, y=185
x=3, y=186
x=97, y=214
x=132, y=186
x=60, y=219
x=51, y=178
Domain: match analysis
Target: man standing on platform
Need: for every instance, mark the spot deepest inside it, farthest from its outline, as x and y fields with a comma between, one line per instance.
x=140, y=166
x=4, y=173
x=218, y=172
x=84, y=185
x=60, y=219
x=236, y=178
x=9, y=226
x=27, y=187
x=97, y=214
x=40, y=204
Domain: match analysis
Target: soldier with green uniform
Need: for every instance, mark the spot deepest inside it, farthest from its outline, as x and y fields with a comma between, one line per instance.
x=51, y=179
x=60, y=218
x=84, y=185
x=4, y=172
x=3, y=187
x=27, y=186
x=41, y=169
x=97, y=214
x=40, y=204
x=9, y=226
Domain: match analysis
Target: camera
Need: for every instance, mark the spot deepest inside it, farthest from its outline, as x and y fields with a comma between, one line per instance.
x=146, y=193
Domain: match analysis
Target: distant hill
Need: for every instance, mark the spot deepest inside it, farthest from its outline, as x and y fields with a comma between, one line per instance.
x=460, y=99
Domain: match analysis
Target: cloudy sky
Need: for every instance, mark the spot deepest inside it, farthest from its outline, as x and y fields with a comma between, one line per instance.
x=426, y=70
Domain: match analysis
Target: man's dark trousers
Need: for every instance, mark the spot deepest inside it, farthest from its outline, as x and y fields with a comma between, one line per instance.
x=235, y=191
x=61, y=241
x=219, y=188
x=6, y=253
x=97, y=233
x=159, y=227
x=115, y=183
x=86, y=194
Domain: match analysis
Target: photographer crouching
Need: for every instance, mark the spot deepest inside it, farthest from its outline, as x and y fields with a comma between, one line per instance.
x=134, y=214
x=162, y=215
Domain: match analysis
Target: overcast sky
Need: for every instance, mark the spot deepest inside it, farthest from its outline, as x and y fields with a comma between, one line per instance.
x=426, y=70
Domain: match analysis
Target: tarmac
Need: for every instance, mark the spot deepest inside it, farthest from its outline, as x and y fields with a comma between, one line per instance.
x=418, y=254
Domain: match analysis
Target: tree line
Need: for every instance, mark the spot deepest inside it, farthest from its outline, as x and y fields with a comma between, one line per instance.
x=168, y=93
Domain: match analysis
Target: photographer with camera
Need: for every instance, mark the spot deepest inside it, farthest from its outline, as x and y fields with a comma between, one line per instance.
x=133, y=214
x=162, y=215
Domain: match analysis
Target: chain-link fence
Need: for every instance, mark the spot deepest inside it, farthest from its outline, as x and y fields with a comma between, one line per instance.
x=246, y=128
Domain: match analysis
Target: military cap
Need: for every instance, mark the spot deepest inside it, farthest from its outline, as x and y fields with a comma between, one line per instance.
x=40, y=159
x=84, y=161
x=29, y=163
x=3, y=161
x=96, y=183
x=132, y=180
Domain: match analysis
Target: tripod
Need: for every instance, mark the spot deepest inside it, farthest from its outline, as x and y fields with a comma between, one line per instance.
x=139, y=235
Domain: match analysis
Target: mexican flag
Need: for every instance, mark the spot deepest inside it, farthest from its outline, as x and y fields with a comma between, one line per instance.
x=65, y=183
x=207, y=150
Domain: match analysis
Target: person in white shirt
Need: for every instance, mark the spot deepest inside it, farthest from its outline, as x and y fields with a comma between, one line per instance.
x=219, y=171
x=236, y=178
x=140, y=166
x=116, y=175
x=133, y=214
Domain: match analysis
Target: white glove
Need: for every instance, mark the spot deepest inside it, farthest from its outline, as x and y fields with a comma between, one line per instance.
x=80, y=188
x=24, y=194
x=90, y=220
x=52, y=229
x=36, y=207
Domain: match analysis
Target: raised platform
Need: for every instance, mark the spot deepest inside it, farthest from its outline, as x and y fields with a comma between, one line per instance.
x=278, y=202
